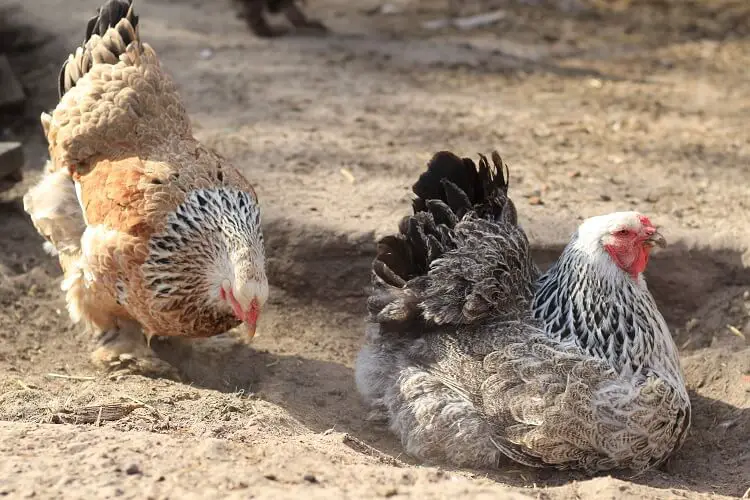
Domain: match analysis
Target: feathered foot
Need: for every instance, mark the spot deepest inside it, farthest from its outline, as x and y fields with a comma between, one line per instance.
x=123, y=350
x=301, y=22
x=252, y=11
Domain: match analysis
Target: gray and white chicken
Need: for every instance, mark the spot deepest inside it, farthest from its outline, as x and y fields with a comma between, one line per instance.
x=473, y=357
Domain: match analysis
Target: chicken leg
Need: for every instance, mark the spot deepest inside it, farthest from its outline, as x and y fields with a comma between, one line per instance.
x=253, y=12
x=123, y=349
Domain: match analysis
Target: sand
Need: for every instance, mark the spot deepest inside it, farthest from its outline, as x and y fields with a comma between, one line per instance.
x=594, y=109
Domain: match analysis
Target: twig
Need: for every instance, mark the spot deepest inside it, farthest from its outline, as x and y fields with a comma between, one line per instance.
x=94, y=413
x=69, y=377
x=145, y=405
x=349, y=176
x=736, y=331
x=23, y=385
x=366, y=449
x=98, y=422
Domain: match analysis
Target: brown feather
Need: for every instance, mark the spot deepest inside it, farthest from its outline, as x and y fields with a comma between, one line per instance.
x=122, y=139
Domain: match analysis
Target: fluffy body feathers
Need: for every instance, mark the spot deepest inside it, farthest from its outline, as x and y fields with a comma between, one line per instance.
x=473, y=357
x=148, y=223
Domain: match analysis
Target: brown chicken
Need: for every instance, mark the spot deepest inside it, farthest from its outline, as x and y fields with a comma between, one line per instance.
x=156, y=234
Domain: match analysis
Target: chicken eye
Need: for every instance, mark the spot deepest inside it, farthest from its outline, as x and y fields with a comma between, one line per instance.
x=622, y=232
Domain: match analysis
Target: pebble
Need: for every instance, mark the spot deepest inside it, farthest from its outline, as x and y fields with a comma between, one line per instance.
x=386, y=9
x=535, y=200
x=310, y=478
x=133, y=469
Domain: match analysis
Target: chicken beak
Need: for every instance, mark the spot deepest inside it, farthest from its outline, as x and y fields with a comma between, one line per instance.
x=248, y=328
x=656, y=239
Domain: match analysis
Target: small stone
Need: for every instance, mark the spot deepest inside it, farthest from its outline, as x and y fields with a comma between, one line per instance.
x=270, y=477
x=605, y=197
x=310, y=478
x=389, y=9
x=541, y=132
x=133, y=469
x=574, y=174
x=535, y=200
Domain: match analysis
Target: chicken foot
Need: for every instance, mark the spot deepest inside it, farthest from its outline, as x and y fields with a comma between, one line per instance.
x=123, y=349
x=301, y=22
x=253, y=13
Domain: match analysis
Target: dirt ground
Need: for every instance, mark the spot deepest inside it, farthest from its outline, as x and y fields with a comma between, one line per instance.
x=597, y=106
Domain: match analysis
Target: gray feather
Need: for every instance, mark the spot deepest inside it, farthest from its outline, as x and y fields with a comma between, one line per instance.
x=475, y=359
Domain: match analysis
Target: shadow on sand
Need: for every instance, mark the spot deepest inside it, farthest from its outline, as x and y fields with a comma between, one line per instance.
x=322, y=395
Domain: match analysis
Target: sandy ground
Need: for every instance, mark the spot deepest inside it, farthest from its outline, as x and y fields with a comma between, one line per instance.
x=595, y=110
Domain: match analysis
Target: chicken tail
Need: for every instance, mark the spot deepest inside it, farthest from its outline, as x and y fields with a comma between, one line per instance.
x=458, y=183
x=115, y=100
x=459, y=257
x=98, y=45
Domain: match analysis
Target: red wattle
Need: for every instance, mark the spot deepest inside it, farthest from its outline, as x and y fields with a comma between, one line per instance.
x=633, y=266
x=252, y=314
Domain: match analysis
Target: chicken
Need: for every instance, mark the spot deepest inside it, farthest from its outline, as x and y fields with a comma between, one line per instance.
x=155, y=234
x=473, y=358
x=253, y=13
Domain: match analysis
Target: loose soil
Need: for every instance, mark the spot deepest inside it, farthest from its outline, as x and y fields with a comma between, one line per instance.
x=596, y=106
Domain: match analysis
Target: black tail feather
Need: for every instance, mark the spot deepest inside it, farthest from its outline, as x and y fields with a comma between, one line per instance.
x=107, y=16
x=447, y=191
x=462, y=186
x=450, y=188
